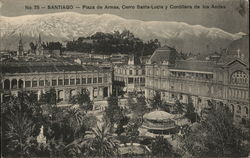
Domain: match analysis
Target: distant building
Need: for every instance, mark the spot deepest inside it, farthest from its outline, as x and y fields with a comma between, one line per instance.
x=225, y=82
x=119, y=58
x=20, y=49
x=67, y=79
x=39, y=48
x=129, y=77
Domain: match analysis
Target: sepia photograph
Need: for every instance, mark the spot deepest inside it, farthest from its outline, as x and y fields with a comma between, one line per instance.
x=124, y=78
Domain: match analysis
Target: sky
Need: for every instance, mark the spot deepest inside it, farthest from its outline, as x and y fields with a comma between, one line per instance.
x=233, y=18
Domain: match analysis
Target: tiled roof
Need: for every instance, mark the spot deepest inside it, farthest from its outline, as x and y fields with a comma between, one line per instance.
x=162, y=54
x=49, y=67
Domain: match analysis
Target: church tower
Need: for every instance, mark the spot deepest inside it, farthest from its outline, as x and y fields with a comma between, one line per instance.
x=39, y=48
x=20, y=46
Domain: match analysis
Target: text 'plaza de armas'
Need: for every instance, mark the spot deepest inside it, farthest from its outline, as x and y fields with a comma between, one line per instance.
x=221, y=79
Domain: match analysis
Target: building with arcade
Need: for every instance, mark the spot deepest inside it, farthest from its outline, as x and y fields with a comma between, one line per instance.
x=223, y=82
x=67, y=79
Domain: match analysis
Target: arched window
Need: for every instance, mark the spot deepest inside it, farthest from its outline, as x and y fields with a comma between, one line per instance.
x=7, y=84
x=239, y=77
x=239, y=108
x=232, y=108
x=246, y=110
x=14, y=83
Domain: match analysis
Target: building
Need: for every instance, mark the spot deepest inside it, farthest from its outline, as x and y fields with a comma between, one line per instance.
x=67, y=79
x=20, y=47
x=130, y=77
x=159, y=122
x=225, y=82
x=39, y=47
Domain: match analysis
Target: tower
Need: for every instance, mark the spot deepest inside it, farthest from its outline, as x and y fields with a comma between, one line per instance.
x=39, y=48
x=20, y=46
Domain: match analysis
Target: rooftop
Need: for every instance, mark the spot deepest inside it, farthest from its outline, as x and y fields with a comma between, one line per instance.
x=162, y=54
x=31, y=67
x=195, y=65
x=158, y=115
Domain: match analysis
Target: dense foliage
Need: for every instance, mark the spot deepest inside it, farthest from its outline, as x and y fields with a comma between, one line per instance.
x=117, y=42
x=21, y=121
x=214, y=136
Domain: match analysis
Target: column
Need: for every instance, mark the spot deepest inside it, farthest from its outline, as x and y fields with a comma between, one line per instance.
x=108, y=91
x=101, y=92
x=1, y=98
x=90, y=89
x=10, y=84
x=38, y=95
x=2, y=84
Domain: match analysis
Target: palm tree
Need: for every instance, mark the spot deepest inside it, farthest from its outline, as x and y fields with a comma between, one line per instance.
x=19, y=134
x=103, y=143
x=83, y=100
x=75, y=119
x=21, y=117
x=99, y=142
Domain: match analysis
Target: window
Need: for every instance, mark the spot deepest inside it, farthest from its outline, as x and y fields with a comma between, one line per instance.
x=94, y=80
x=199, y=100
x=239, y=77
x=72, y=81
x=130, y=80
x=34, y=83
x=246, y=110
x=232, y=108
x=78, y=81
x=136, y=72
x=143, y=72
x=66, y=81
x=105, y=78
x=130, y=72
x=60, y=82
x=99, y=80
x=89, y=80
x=239, y=109
x=47, y=83
x=41, y=83
x=54, y=83
x=84, y=81
x=27, y=84
x=181, y=97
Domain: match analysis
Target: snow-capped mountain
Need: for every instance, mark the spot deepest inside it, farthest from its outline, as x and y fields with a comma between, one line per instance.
x=69, y=25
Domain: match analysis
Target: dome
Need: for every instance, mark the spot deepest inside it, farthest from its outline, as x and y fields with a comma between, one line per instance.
x=158, y=116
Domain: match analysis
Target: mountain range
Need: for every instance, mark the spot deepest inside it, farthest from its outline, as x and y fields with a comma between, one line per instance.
x=66, y=26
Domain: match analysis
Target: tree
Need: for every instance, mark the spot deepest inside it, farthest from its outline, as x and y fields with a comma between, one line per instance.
x=178, y=107
x=139, y=107
x=99, y=142
x=132, y=130
x=162, y=148
x=49, y=98
x=113, y=113
x=156, y=101
x=120, y=129
x=21, y=122
x=83, y=100
x=214, y=136
x=75, y=120
x=190, y=111
x=19, y=134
